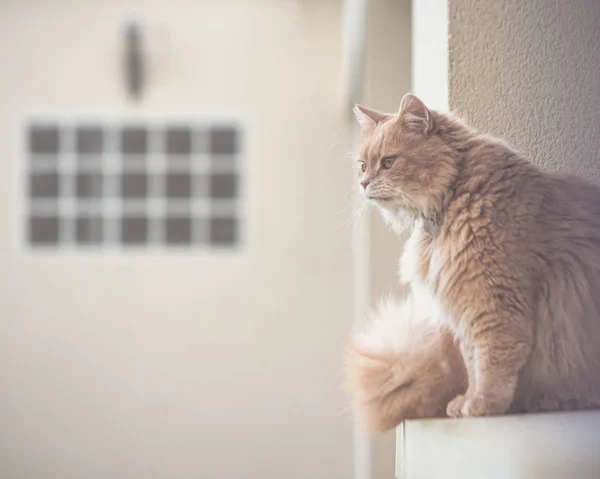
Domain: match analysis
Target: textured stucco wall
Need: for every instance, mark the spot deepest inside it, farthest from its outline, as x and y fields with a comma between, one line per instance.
x=529, y=71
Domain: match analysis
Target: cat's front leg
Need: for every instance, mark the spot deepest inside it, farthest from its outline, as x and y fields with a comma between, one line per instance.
x=455, y=406
x=495, y=355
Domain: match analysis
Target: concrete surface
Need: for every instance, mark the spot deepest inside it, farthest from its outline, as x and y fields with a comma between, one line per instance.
x=530, y=446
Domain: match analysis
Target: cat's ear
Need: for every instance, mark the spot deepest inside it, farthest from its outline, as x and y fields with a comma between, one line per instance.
x=368, y=118
x=415, y=115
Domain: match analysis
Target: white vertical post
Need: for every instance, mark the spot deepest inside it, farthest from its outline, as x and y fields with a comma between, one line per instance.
x=354, y=32
x=430, y=52
x=354, y=29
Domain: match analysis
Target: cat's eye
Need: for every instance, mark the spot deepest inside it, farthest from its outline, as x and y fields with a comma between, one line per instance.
x=363, y=166
x=388, y=162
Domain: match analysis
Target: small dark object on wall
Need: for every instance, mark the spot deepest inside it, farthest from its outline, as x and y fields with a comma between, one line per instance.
x=134, y=60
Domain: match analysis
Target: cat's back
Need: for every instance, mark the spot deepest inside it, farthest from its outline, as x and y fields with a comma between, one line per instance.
x=547, y=226
x=562, y=371
x=569, y=216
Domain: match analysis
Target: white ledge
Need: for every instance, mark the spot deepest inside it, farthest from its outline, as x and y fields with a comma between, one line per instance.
x=545, y=446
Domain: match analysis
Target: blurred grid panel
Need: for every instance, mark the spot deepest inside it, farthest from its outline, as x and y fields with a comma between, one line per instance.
x=139, y=184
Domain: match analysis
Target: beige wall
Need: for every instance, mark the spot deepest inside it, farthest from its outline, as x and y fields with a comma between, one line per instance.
x=124, y=375
x=172, y=365
x=529, y=71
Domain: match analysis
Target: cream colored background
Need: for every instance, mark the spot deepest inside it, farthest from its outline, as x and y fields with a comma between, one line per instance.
x=183, y=366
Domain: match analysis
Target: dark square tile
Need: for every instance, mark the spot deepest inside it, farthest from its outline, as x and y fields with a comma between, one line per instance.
x=134, y=140
x=44, y=230
x=223, y=141
x=223, y=186
x=179, y=141
x=89, y=140
x=134, y=230
x=202, y=230
x=178, y=185
x=44, y=185
x=178, y=230
x=201, y=186
x=88, y=229
x=44, y=139
x=134, y=185
x=223, y=231
x=89, y=185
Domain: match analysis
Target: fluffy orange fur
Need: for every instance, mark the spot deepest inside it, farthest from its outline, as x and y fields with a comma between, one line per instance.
x=503, y=264
x=402, y=366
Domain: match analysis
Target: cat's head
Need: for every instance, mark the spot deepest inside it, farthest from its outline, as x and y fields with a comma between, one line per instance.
x=404, y=164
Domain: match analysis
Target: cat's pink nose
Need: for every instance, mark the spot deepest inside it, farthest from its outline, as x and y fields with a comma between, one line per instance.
x=365, y=183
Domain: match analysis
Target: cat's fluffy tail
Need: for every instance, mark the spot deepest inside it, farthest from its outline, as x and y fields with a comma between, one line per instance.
x=402, y=366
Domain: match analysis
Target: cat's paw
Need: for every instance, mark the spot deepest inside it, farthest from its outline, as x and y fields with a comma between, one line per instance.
x=475, y=405
x=454, y=408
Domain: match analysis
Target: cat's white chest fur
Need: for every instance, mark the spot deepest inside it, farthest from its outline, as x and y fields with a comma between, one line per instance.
x=425, y=302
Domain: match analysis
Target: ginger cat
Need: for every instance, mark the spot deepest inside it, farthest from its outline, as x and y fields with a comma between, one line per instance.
x=503, y=265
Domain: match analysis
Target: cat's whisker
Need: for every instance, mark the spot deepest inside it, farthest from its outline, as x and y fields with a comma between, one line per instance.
x=355, y=213
x=357, y=218
x=348, y=220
